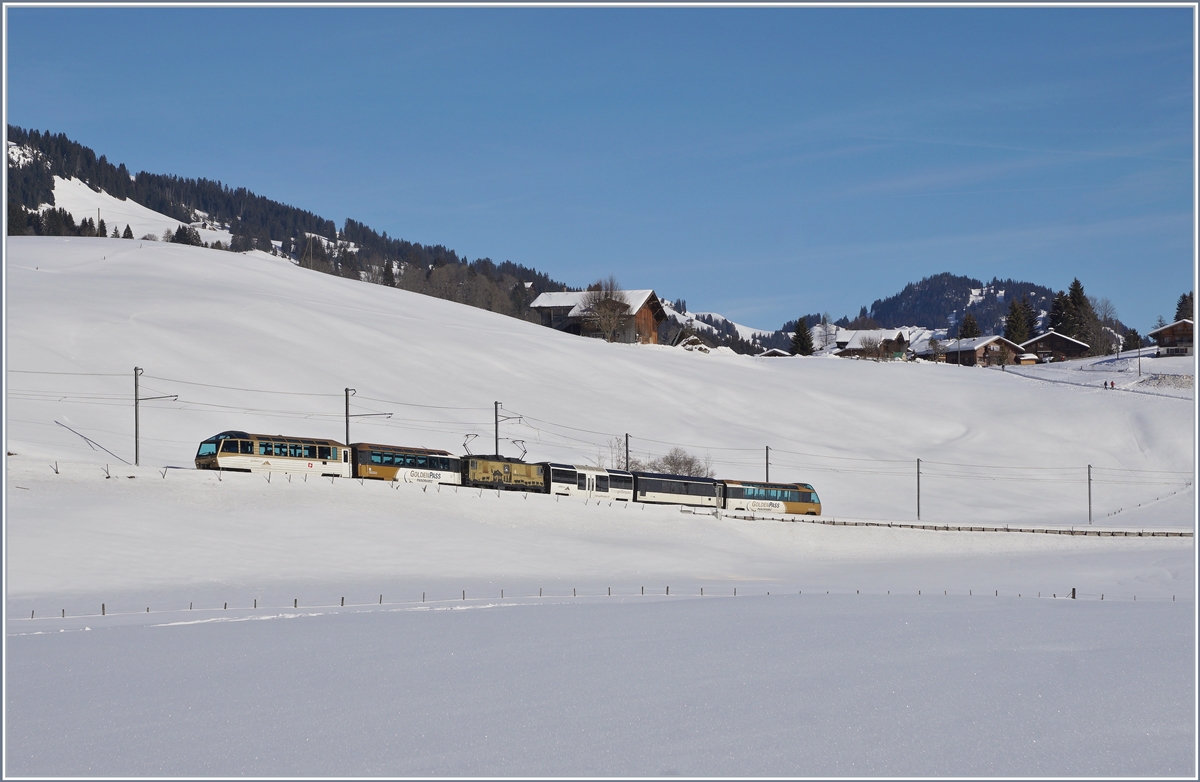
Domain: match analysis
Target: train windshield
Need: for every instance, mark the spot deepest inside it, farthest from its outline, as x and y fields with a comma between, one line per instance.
x=207, y=448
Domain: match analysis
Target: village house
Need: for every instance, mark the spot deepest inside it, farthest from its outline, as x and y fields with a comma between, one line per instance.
x=1053, y=346
x=1173, y=339
x=986, y=351
x=565, y=311
x=871, y=343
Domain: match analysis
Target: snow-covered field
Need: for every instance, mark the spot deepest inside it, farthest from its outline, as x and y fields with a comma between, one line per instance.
x=977, y=683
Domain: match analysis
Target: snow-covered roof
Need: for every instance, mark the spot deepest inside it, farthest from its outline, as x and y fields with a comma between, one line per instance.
x=574, y=299
x=1170, y=325
x=965, y=345
x=1052, y=331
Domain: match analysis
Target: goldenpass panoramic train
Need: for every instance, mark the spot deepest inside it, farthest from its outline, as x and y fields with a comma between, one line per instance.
x=235, y=451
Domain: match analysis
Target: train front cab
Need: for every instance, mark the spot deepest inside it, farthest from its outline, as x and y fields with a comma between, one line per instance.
x=236, y=451
x=798, y=498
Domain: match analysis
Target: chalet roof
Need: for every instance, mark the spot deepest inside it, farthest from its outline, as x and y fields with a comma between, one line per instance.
x=574, y=299
x=1055, y=333
x=968, y=345
x=883, y=335
x=774, y=352
x=1170, y=325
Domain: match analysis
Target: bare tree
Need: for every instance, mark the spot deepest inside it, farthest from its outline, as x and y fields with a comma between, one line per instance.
x=1106, y=338
x=870, y=346
x=606, y=308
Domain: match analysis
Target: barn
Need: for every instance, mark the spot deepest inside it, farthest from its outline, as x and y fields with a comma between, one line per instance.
x=565, y=311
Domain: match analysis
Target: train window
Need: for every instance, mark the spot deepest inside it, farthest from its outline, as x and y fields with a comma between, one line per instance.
x=621, y=481
x=387, y=459
x=581, y=481
x=229, y=446
x=541, y=473
x=207, y=449
x=281, y=449
x=474, y=464
x=310, y=452
x=601, y=483
x=246, y=447
x=562, y=476
x=376, y=457
x=422, y=461
x=333, y=452
x=323, y=452
x=264, y=449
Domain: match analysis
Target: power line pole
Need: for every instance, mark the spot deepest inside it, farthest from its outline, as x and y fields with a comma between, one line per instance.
x=1089, y=494
x=137, y=439
x=349, y=393
x=768, y=464
x=918, y=489
x=496, y=406
x=137, y=400
x=627, y=451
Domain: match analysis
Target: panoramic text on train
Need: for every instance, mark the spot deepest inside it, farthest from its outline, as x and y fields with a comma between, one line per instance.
x=235, y=451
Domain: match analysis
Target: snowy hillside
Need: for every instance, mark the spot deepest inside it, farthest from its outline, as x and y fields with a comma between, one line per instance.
x=220, y=592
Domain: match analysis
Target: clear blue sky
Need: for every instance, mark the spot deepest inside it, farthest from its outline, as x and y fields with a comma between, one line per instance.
x=762, y=163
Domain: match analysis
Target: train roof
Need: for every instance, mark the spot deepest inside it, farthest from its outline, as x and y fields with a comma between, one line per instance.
x=239, y=435
x=767, y=483
x=577, y=467
x=403, y=448
x=668, y=476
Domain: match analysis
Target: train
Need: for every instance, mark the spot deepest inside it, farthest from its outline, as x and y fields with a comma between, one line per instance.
x=236, y=451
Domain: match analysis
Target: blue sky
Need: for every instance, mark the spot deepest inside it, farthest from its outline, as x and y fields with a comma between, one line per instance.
x=761, y=163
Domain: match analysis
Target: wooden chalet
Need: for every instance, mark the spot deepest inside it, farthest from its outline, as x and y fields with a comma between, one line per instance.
x=982, y=351
x=1173, y=339
x=565, y=311
x=1053, y=346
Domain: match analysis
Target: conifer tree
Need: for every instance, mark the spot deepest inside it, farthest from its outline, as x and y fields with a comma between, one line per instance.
x=116, y=234
x=969, y=328
x=1060, y=310
x=1016, y=324
x=802, y=344
x=128, y=232
x=101, y=229
x=1031, y=318
x=1133, y=340
x=1184, y=309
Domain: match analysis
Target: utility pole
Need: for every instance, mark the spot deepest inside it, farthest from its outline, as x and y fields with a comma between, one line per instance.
x=137, y=434
x=137, y=399
x=1089, y=494
x=768, y=464
x=497, y=411
x=349, y=393
x=627, y=451
x=918, y=489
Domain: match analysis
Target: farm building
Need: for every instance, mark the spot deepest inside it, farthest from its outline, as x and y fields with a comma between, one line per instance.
x=1053, y=346
x=1173, y=339
x=565, y=311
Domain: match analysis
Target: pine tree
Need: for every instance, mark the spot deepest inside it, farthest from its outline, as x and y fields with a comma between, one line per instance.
x=802, y=344
x=1060, y=313
x=128, y=232
x=1031, y=318
x=1016, y=324
x=1133, y=340
x=969, y=328
x=1184, y=310
x=116, y=234
x=1081, y=316
x=101, y=229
